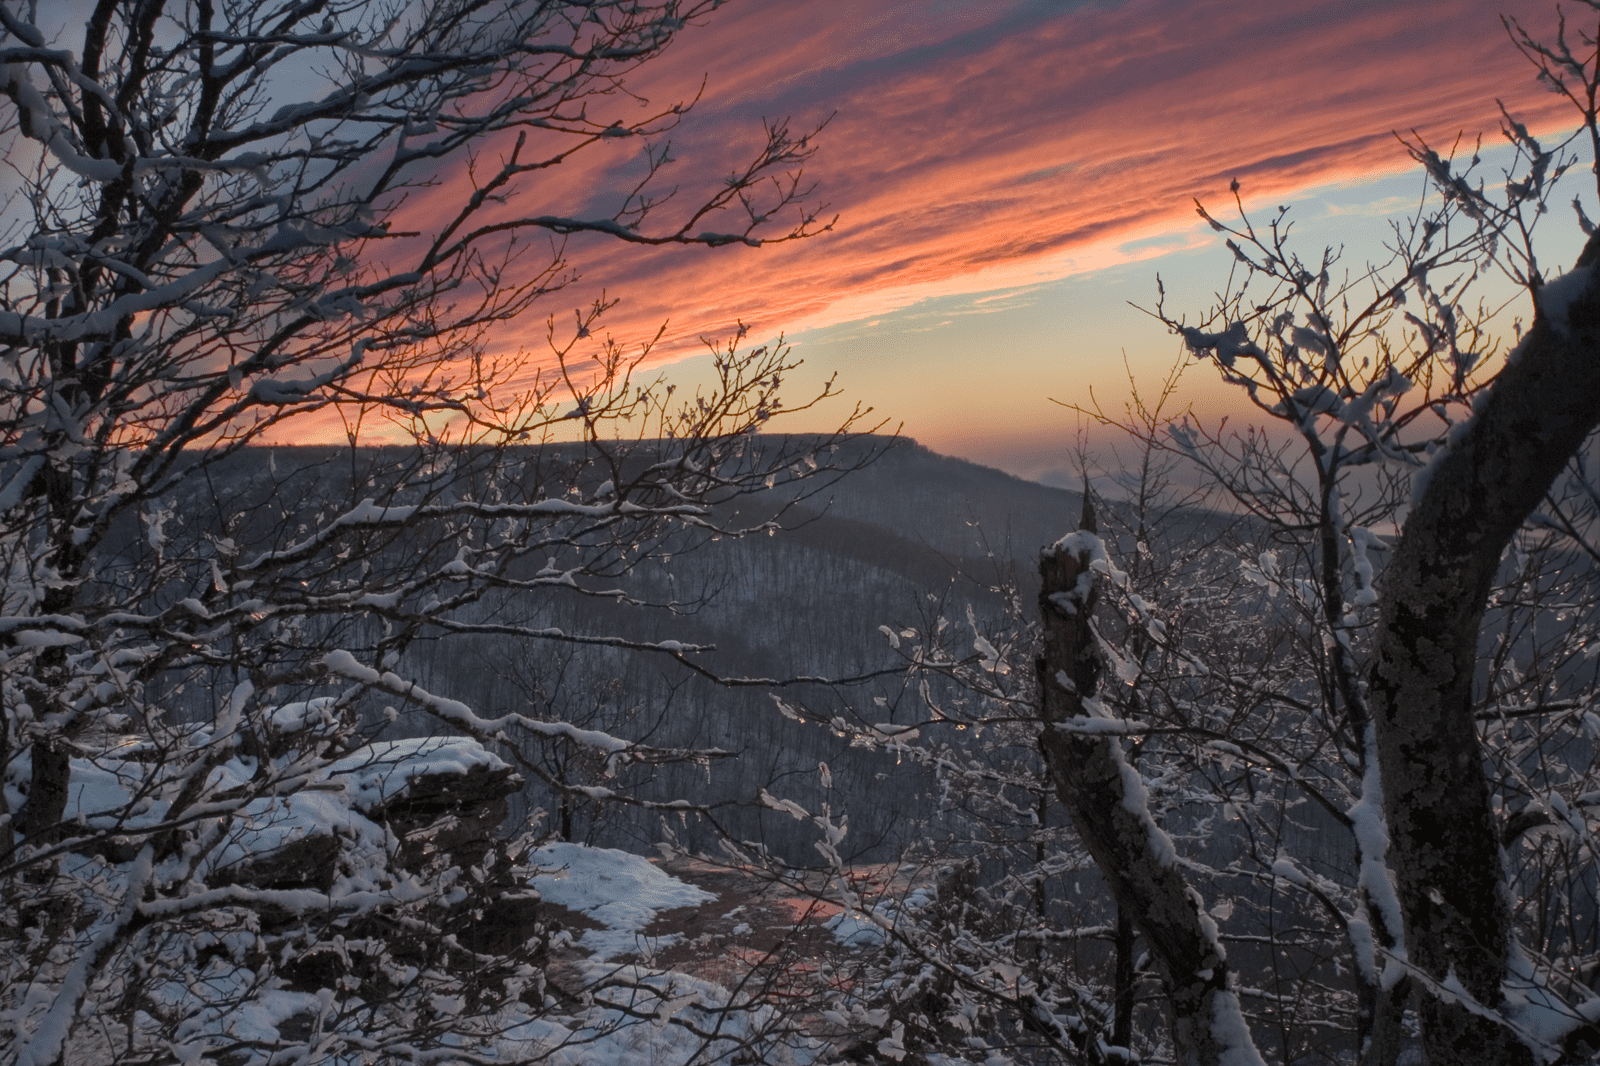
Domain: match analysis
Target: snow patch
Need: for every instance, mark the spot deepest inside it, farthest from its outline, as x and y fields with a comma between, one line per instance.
x=630, y=1022
x=1232, y=1033
x=620, y=890
x=856, y=930
x=1372, y=846
x=379, y=771
x=1555, y=298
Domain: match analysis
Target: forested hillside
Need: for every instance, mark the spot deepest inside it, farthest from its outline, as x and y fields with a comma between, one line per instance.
x=910, y=534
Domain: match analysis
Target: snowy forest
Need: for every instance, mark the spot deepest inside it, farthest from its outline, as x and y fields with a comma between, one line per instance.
x=1274, y=742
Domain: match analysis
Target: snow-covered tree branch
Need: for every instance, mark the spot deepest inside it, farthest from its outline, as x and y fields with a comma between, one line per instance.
x=224, y=838
x=1325, y=723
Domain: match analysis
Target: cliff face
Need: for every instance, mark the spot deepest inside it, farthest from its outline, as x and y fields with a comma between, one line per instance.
x=378, y=872
x=438, y=804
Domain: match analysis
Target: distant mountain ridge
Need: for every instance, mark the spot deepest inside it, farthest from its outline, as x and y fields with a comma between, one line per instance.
x=865, y=552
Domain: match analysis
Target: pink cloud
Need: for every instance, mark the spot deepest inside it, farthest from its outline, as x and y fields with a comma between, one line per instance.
x=958, y=146
x=977, y=144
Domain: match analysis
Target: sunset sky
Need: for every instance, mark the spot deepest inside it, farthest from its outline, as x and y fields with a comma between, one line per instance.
x=1009, y=173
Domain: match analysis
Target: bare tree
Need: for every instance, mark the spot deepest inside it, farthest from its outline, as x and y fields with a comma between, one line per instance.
x=1392, y=368
x=1332, y=750
x=212, y=235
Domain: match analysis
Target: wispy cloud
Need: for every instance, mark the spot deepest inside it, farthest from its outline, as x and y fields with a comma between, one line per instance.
x=1383, y=207
x=980, y=144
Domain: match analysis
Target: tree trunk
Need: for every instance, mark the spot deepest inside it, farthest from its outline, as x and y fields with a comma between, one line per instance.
x=1106, y=799
x=1436, y=797
x=40, y=819
x=1124, y=983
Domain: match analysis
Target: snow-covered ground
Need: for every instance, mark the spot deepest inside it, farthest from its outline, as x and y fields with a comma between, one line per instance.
x=638, y=1014
x=622, y=892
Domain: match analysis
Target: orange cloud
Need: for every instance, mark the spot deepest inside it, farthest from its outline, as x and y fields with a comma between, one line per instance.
x=984, y=143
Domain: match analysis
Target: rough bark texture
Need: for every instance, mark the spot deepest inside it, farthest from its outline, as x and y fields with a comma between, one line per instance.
x=40, y=819
x=1445, y=847
x=1091, y=777
x=1125, y=983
